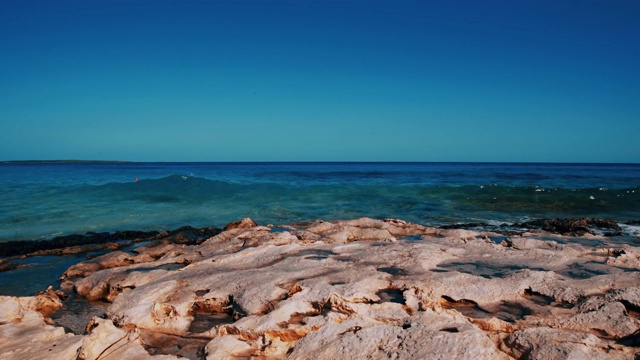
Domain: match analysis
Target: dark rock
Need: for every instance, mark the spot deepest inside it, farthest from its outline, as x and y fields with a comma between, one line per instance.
x=6, y=266
x=604, y=224
x=13, y=248
x=573, y=227
x=465, y=226
x=184, y=235
x=188, y=235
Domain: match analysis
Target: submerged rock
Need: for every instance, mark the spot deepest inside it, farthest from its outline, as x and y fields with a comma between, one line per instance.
x=76, y=243
x=360, y=288
x=7, y=265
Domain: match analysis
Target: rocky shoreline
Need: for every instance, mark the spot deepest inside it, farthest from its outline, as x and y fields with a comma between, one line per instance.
x=360, y=288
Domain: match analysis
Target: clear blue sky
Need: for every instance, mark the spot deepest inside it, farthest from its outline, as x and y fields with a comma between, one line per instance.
x=165, y=80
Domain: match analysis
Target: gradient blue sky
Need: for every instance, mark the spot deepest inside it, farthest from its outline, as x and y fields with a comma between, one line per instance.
x=167, y=80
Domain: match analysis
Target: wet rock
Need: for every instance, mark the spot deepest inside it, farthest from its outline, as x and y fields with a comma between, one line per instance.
x=188, y=235
x=82, y=269
x=76, y=243
x=13, y=248
x=7, y=265
x=467, y=226
x=573, y=227
x=245, y=223
x=47, y=302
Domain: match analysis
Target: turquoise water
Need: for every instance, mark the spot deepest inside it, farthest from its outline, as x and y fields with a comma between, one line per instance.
x=37, y=273
x=42, y=200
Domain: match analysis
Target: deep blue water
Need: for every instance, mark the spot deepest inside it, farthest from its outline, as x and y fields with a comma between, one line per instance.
x=42, y=200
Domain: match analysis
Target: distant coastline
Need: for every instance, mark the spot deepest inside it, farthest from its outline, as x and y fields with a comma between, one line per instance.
x=71, y=161
x=63, y=161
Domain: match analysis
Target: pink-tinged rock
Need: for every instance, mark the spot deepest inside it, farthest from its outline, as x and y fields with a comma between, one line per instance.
x=245, y=223
x=358, y=289
x=425, y=336
x=552, y=344
x=228, y=347
x=107, y=341
x=26, y=335
x=612, y=319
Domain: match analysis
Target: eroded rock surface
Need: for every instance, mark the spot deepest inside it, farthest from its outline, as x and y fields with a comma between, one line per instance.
x=364, y=288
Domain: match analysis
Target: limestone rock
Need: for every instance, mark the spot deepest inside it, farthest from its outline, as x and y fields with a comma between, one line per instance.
x=245, y=223
x=426, y=336
x=552, y=344
x=352, y=289
x=26, y=335
x=228, y=346
x=612, y=319
x=45, y=302
x=529, y=243
x=627, y=257
x=109, y=342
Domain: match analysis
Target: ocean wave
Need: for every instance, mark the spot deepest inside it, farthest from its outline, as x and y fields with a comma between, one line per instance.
x=183, y=199
x=173, y=188
x=401, y=198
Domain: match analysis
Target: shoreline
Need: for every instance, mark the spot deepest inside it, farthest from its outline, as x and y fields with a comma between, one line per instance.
x=319, y=288
x=92, y=241
x=43, y=261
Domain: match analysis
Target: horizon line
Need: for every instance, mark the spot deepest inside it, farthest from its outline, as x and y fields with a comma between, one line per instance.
x=77, y=161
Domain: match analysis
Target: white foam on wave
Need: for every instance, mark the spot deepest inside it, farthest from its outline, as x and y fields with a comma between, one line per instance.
x=633, y=230
x=495, y=222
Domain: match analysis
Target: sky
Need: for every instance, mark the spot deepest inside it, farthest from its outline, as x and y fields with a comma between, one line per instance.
x=249, y=80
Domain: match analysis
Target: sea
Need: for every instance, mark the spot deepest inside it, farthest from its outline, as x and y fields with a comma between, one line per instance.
x=42, y=200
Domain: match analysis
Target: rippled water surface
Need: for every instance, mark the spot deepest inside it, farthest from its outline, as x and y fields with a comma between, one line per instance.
x=39, y=200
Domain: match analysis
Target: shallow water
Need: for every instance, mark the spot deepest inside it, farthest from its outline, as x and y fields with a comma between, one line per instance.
x=36, y=274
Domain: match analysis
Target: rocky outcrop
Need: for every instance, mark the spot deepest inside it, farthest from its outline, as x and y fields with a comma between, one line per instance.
x=361, y=288
x=573, y=227
x=553, y=344
x=26, y=335
x=106, y=341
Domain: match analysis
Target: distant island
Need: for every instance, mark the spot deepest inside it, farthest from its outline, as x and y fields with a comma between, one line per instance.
x=62, y=161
